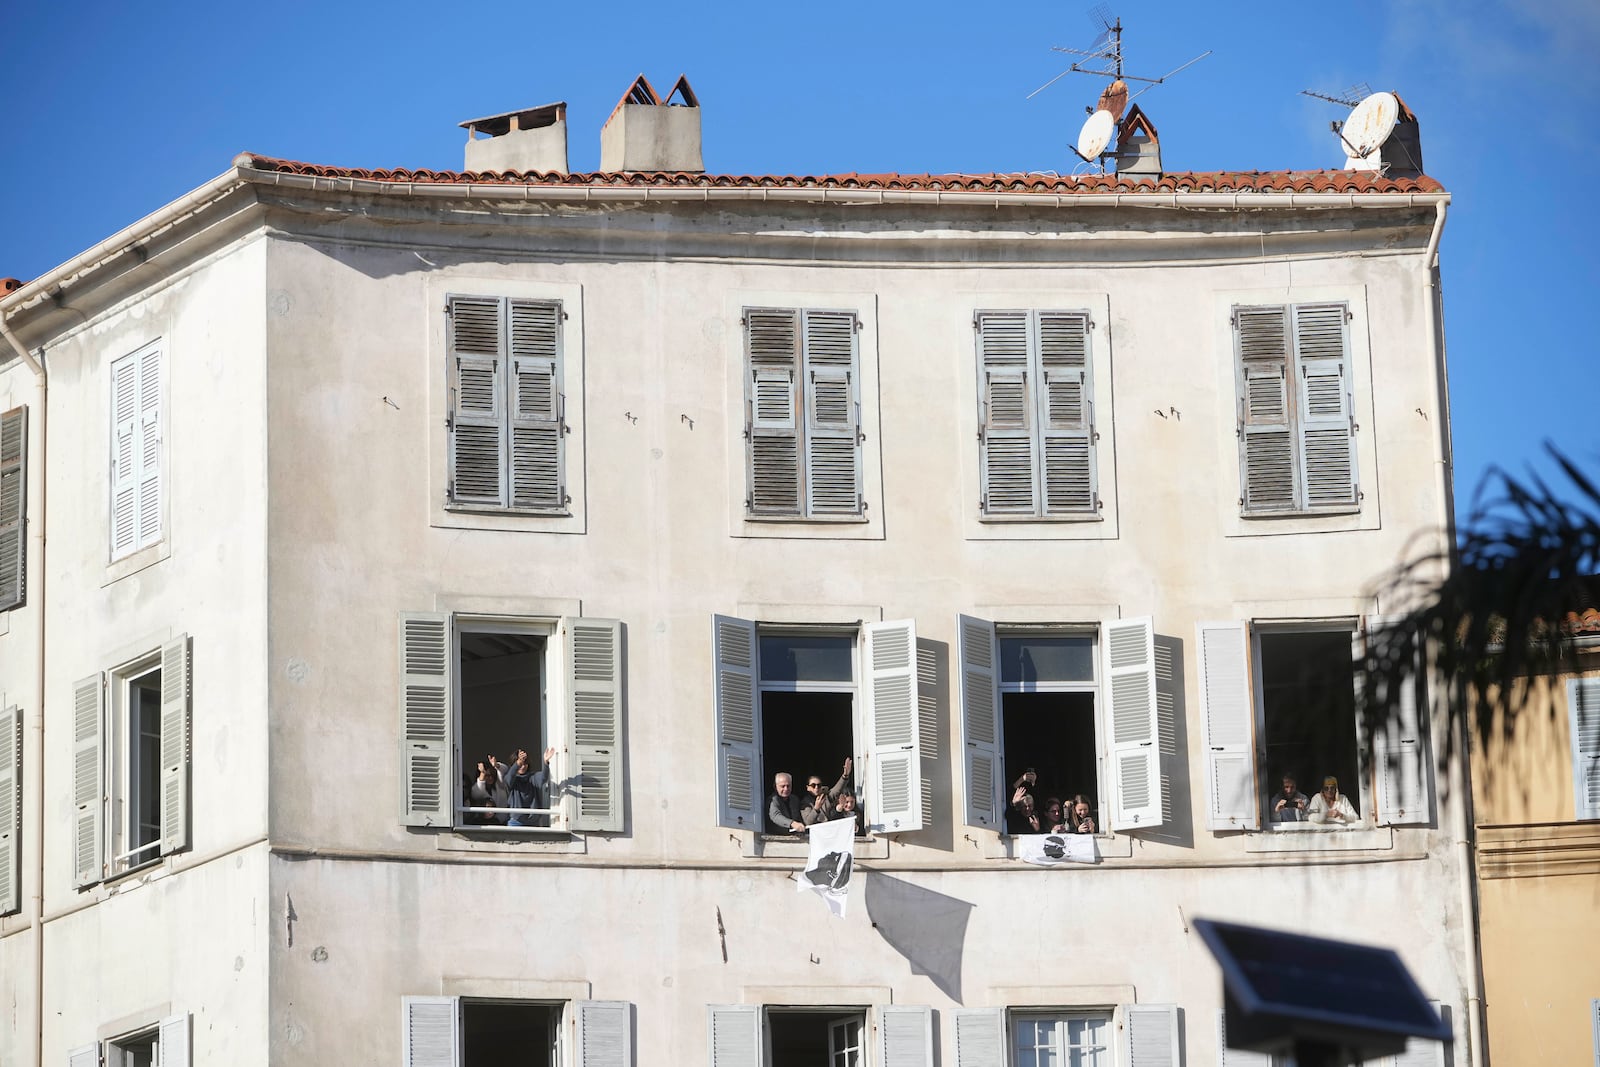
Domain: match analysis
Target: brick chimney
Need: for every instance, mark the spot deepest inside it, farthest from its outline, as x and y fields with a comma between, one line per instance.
x=646, y=133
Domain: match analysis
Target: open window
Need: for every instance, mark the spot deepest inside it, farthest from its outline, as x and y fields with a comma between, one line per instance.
x=1137, y=1035
x=749, y=1035
x=474, y=686
x=465, y=1031
x=1076, y=704
x=800, y=699
x=165, y=1044
x=131, y=745
x=1279, y=699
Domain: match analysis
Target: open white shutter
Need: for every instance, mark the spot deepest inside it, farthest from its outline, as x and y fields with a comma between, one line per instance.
x=1420, y=1052
x=1236, y=1057
x=979, y=654
x=893, y=754
x=430, y=1032
x=1006, y=417
x=10, y=810
x=1066, y=413
x=1232, y=799
x=605, y=1033
x=535, y=405
x=1400, y=758
x=734, y=1035
x=124, y=461
x=427, y=795
x=980, y=1037
x=174, y=1035
x=1326, y=395
x=84, y=1056
x=832, y=387
x=88, y=814
x=907, y=1036
x=477, y=401
x=13, y=507
x=148, y=460
x=772, y=350
x=1150, y=1035
x=1583, y=718
x=175, y=744
x=733, y=698
x=1266, y=444
x=594, y=695
x=1131, y=719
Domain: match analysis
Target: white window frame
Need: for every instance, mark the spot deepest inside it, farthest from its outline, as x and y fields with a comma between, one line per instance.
x=887, y=731
x=1142, y=1035
x=1583, y=724
x=138, y=487
x=127, y=787
x=740, y=1035
x=590, y=1033
x=1092, y=687
x=582, y=681
x=171, y=1040
x=1061, y=1016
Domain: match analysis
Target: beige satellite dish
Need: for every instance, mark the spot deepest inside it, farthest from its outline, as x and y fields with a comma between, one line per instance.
x=1369, y=125
x=1095, y=135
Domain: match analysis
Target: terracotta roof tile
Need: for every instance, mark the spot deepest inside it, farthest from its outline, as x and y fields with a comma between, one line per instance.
x=1300, y=181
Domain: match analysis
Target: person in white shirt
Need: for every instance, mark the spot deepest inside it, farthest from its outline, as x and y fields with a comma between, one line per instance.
x=1330, y=807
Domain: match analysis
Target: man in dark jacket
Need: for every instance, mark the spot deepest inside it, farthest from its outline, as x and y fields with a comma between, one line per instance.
x=525, y=788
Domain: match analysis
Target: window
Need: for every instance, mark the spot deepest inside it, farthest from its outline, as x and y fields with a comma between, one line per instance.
x=1036, y=415
x=1583, y=716
x=803, y=414
x=130, y=764
x=10, y=810
x=166, y=1044
x=750, y=1035
x=506, y=413
x=1066, y=702
x=13, y=507
x=1067, y=1037
x=476, y=686
x=463, y=1032
x=136, y=451
x=1296, y=422
x=1279, y=699
x=786, y=700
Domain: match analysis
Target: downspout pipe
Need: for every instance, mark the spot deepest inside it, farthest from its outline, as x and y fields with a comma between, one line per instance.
x=35, y=803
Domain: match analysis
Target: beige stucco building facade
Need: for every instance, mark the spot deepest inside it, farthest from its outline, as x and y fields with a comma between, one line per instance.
x=695, y=480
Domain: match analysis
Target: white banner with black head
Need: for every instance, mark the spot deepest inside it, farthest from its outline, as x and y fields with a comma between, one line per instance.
x=829, y=868
x=1053, y=850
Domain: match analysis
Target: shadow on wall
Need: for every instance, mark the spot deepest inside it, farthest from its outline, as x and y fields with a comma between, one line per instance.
x=929, y=929
x=1177, y=826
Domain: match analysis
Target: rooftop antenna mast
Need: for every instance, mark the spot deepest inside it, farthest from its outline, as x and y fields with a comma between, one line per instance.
x=1103, y=58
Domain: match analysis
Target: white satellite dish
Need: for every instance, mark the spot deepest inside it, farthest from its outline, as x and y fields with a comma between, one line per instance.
x=1096, y=134
x=1370, y=124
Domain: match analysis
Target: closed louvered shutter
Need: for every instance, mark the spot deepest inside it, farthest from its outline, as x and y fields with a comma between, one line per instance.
x=1152, y=1035
x=980, y=719
x=1232, y=801
x=149, y=446
x=88, y=816
x=427, y=795
x=175, y=745
x=13, y=507
x=980, y=1037
x=124, y=456
x=833, y=450
x=594, y=688
x=772, y=345
x=1266, y=441
x=1066, y=404
x=10, y=810
x=907, y=1035
x=1130, y=678
x=1326, y=426
x=536, y=406
x=739, y=794
x=1583, y=718
x=894, y=755
x=477, y=404
x=604, y=1033
x=1007, y=415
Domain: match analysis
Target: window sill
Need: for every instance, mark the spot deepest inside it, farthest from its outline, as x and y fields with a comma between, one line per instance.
x=823, y=520
x=538, y=840
x=776, y=846
x=1250, y=516
x=1310, y=837
x=490, y=509
x=134, y=562
x=1010, y=520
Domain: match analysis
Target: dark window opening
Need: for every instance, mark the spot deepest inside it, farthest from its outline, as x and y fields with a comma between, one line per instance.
x=502, y=690
x=136, y=1051
x=496, y=1032
x=1054, y=734
x=804, y=734
x=144, y=772
x=815, y=1038
x=1308, y=711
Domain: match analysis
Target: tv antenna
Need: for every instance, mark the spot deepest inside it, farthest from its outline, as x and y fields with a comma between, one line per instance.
x=1372, y=120
x=1103, y=58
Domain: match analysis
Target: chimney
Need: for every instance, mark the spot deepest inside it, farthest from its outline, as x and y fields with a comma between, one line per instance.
x=534, y=138
x=649, y=134
x=1138, y=146
x=1402, y=152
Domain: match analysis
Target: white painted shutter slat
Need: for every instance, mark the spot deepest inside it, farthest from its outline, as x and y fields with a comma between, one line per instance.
x=1007, y=467
x=13, y=507
x=1236, y=1057
x=604, y=1033
x=772, y=353
x=1583, y=719
x=176, y=725
x=1152, y=1035
x=1326, y=427
x=149, y=448
x=734, y=1035
x=477, y=401
x=430, y=1032
x=124, y=472
x=894, y=753
x=1130, y=680
x=980, y=1037
x=1232, y=799
x=84, y=1056
x=88, y=818
x=831, y=385
x=733, y=691
x=1066, y=403
x=535, y=405
x=10, y=810
x=907, y=1036
x=1267, y=477
x=175, y=1037
x=1420, y=1052
x=979, y=656
x=1400, y=754
x=427, y=796
x=594, y=693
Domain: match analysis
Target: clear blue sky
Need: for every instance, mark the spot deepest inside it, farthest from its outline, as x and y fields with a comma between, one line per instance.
x=114, y=109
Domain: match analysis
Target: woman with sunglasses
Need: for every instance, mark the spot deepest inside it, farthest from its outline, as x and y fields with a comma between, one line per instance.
x=820, y=805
